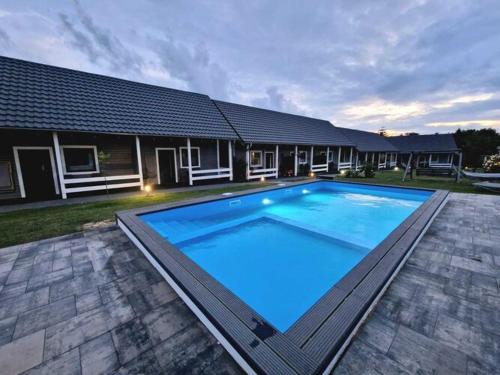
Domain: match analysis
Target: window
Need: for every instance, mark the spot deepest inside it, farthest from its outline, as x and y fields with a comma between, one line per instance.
x=256, y=158
x=195, y=157
x=302, y=157
x=330, y=156
x=6, y=176
x=440, y=158
x=79, y=159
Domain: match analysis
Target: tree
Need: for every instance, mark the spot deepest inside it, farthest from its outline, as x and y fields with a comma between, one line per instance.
x=476, y=144
x=382, y=132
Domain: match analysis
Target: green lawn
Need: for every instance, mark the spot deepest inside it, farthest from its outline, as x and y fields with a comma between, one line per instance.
x=394, y=178
x=36, y=224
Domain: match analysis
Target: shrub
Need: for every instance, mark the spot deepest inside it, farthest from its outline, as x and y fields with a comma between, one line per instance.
x=492, y=164
x=368, y=170
x=352, y=173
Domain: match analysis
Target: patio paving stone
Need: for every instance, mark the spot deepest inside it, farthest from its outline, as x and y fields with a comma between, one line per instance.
x=110, y=311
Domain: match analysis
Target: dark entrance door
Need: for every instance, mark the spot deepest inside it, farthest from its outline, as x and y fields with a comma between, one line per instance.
x=38, y=179
x=166, y=165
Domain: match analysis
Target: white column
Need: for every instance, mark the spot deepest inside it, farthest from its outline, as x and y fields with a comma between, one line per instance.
x=366, y=157
x=459, y=168
x=378, y=166
x=218, y=156
x=190, y=167
x=373, y=159
x=357, y=158
x=247, y=158
x=276, y=160
x=296, y=163
x=350, y=158
x=230, y=161
x=57, y=151
x=327, y=162
x=139, y=160
x=312, y=158
x=340, y=153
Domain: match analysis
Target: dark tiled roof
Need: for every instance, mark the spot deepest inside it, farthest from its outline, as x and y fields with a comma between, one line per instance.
x=368, y=141
x=425, y=143
x=257, y=125
x=38, y=96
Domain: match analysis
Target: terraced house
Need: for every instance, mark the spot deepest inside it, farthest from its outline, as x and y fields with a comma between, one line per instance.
x=66, y=132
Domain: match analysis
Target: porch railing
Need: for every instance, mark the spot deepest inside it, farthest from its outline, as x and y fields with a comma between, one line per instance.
x=111, y=185
x=208, y=174
x=319, y=168
x=344, y=165
x=263, y=172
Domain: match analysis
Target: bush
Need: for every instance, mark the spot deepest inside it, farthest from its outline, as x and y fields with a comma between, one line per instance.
x=492, y=164
x=351, y=173
x=368, y=170
x=239, y=170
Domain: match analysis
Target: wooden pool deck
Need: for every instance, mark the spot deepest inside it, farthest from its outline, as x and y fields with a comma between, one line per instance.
x=90, y=303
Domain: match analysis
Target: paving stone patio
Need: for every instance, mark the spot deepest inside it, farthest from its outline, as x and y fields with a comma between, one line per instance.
x=90, y=303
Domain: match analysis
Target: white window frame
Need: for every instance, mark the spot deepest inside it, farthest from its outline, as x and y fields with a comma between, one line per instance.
x=63, y=159
x=273, y=159
x=197, y=149
x=261, y=158
x=329, y=158
x=306, y=159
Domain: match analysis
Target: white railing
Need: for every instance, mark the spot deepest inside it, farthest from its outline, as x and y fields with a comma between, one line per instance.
x=319, y=168
x=381, y=165
x=440, y=165
x=105, y=179
x=264, y=172
x=392, y=163
x=208, y=174
x=344, y=165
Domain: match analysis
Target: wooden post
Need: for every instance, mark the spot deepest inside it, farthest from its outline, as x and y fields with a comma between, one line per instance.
x=357, y=158
x=327, y=154
x=218, y=156
x=247, y=158
x=312, y=158
x=276, y=160
x=230, y=157
x=350, y=158
x=373, y=159
x=459, y=169
x=378, y=165
x=139, y=160
x=57, y=151
x=296, y=164
x=407, y=166
x=340, y=154
x=190, y=167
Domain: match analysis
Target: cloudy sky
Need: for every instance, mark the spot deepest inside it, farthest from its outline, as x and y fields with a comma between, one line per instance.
x=424, y=66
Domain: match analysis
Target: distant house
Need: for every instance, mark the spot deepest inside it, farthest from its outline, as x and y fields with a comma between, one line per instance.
x=433, y=153
x=372, y=148
x=281, y=144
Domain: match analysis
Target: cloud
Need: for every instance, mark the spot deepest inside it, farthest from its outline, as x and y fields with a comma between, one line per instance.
x=466, y=123
x=277, y=101
x=99, y=44
x=4, y=38
x=193, y=66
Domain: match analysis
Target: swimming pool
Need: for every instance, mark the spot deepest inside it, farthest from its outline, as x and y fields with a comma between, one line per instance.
x=283, y=261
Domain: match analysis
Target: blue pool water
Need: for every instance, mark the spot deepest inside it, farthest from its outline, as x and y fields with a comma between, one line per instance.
x=281, y=250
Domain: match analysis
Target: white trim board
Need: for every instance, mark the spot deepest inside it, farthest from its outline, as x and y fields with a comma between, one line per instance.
x=19, y=171
x=63, y=159
x=158, y=179
x=261, y=158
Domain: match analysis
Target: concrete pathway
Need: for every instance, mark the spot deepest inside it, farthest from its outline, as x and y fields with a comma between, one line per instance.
x=90, y=303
